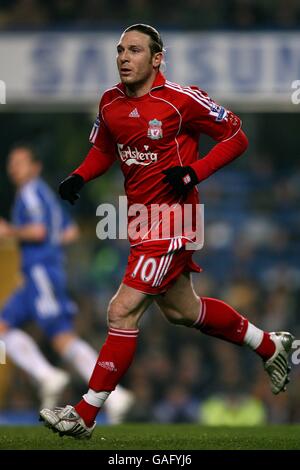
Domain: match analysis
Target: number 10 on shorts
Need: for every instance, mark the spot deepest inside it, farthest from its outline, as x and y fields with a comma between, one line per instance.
x=147, y=269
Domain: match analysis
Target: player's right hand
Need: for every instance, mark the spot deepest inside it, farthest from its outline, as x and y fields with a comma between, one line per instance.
x=70, y=187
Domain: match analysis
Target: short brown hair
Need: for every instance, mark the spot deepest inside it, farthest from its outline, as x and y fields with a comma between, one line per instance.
x=156, y=44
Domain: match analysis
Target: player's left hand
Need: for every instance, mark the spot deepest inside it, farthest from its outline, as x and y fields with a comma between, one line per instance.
x=181, y=178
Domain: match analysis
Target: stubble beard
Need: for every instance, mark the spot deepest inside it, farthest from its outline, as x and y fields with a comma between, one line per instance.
x=134, y=85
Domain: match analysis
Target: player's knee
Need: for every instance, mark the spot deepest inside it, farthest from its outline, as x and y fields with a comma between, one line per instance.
x=117, y=314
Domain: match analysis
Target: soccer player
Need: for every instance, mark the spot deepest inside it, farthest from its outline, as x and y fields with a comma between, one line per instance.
x=42, y=229
x=152, y=127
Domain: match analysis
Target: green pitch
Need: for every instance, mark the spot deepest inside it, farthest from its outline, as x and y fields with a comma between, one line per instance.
x=155, y=437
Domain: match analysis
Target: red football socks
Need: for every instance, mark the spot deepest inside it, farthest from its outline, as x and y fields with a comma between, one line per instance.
x=266, y=348
x=216, y=318
x=114, y=359
x=87, y=412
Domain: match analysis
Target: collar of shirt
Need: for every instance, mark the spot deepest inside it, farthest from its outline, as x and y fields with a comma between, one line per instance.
x=158, y=83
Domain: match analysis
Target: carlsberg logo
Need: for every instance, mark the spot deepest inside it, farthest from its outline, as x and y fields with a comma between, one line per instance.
x=134, y=157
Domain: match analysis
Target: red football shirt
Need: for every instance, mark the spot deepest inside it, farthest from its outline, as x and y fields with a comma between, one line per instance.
x=156, y=131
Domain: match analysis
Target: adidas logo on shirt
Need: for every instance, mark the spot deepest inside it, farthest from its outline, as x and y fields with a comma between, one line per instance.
x=134, y=113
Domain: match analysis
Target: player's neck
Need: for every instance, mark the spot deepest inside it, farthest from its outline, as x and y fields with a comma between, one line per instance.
x=140, y=89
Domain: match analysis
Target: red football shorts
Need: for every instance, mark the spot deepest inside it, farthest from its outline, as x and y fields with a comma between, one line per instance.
x=154, y=266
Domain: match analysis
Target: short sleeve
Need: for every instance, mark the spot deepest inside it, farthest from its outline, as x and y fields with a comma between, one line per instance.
x=204, y=115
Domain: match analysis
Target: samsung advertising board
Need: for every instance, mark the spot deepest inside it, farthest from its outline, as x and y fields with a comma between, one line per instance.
x=75, y=68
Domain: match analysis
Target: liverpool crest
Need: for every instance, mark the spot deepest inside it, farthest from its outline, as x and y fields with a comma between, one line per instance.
x=154, y=129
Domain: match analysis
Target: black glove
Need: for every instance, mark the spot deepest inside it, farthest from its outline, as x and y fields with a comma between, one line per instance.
x=182, y=178
x=70, y=187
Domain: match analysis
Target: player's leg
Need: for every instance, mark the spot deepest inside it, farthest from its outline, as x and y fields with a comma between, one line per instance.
x=83, y=358
x=180, y=304
x=54, y=312
x=75, y=351
x=116, y=355
x=56, y=320
x=23, y=350
x=216, y=318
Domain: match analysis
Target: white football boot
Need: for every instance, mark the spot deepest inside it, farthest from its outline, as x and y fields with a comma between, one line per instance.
x=67, y=422
x=277, y=366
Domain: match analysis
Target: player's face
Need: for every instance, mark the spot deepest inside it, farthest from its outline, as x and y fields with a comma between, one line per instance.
x=21, y=168
x=135, y=62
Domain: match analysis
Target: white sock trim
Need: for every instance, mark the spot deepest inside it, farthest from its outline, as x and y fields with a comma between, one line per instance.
x=253, y=336
x=96, y=399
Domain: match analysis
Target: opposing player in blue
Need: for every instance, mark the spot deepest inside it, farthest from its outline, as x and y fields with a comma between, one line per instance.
x=42, y=229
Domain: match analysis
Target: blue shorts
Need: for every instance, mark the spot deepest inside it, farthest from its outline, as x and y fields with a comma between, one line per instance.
x=43, y=299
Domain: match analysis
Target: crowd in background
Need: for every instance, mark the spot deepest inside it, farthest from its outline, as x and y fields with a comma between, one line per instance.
x=251, y=259
x=198, y=14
